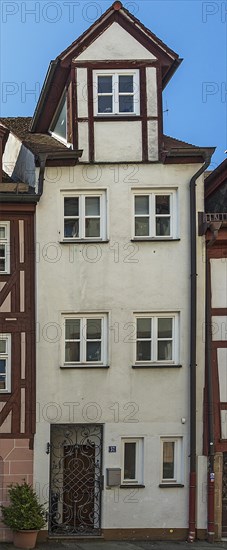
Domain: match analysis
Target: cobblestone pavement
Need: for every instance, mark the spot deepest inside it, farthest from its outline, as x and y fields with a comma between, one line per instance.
x=135, y=545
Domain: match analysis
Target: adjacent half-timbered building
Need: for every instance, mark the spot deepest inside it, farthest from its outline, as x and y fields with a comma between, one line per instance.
x=17, y=331
x=120, y=354
x=215, y=224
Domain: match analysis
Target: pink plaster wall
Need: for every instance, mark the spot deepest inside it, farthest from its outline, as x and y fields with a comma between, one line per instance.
x=16, y=465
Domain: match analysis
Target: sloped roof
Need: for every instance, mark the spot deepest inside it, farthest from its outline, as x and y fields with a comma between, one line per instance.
x=173, y=143
x=36, y=143
x=216, y=178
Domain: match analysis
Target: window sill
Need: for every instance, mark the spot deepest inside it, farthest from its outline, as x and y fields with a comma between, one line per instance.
x=170, y=485
x=83, y=366
x=84, y=241
x=132, y=486
x=117, y=116
x=156, y=366
x=155, y=239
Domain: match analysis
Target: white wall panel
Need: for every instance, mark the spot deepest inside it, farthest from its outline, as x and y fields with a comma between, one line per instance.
x=219, y=282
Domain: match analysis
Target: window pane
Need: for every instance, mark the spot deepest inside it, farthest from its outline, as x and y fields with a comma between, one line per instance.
x=126, y=84
x=143, y=328
x=60, y=127
x=142, y=227
x=126, y=104
x=72, y=352
x=2, y=251
x=164, y=351
x=130, y=461
x=94, y=329
x=105, y=104
x=72, y=329
x=71, y=206
x=2, y=383
x=92, y=227
x=143, y=351
x=92, y=206
x=71, y=228
x=142, y=205
x=165, y=328
x=168, y=460
x=2, y=265
x=2, y=366
x=93, y=351
x=2, y=232
x=2, y=346
x=163, y=227
x=105, y=84
x=162, y=204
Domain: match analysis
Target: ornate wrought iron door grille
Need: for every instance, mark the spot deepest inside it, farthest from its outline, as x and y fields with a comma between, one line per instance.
x=75, y=479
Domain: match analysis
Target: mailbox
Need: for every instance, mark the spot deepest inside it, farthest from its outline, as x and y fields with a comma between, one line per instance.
x=113, y=477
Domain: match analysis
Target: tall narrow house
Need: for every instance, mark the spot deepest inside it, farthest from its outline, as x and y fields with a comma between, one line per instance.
x=118, y=268
x=215, y=227
x=17, y=330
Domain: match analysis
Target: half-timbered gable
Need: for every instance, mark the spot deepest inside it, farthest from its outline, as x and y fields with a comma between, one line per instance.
x=103, y=94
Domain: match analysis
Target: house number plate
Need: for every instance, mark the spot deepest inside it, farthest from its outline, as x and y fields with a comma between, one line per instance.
x=112, y=449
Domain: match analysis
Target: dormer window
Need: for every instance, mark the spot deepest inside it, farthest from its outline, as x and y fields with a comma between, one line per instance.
x=116, y=92
x=58, y=127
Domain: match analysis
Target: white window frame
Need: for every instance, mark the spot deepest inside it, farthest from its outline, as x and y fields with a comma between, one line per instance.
x=104, y=340
x=115, y=91
x=154, y=338
x=152, y=193
x=6, y=242
x=139, y=478
x=178, y=460
x=7, y=357
x=82, y=195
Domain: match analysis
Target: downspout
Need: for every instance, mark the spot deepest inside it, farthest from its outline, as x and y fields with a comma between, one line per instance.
x=193, y=330
x=42, y=160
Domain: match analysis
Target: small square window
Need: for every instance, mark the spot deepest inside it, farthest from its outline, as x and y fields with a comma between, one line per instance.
x=157, y=339
x=116, y=92
x=4, y=247
x=84, y=216
x=171, y=460
x=132, y=461
x=155, y=215
x=85, y=340
x=5, y=363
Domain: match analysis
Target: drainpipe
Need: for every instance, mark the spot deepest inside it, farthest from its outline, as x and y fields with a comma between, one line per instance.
x=193, y=330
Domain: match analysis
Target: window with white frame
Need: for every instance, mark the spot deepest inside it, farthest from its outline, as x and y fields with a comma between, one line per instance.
x=157, y=339
x=155, y=214
x=116, y=92
x=4, y=247
x=84, y=216
x=85, y=340
x=132, y=461
x=171, y=460
x=5, y=362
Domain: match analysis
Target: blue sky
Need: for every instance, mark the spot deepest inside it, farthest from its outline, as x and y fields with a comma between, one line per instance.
x=34, y=32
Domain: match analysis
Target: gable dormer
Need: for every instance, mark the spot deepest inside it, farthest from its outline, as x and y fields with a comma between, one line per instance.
x=103, y=94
